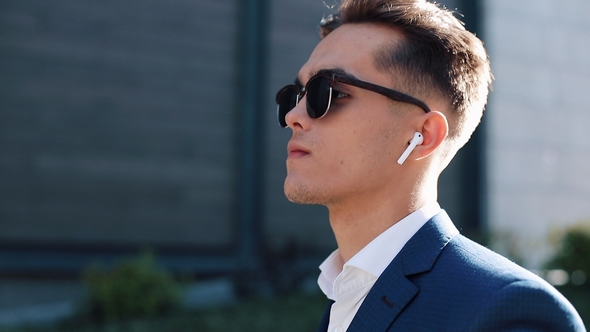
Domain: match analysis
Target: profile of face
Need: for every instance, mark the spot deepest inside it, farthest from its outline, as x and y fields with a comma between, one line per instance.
x=350, y=153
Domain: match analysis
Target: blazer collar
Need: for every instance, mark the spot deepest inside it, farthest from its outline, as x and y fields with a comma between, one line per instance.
x=393, y=291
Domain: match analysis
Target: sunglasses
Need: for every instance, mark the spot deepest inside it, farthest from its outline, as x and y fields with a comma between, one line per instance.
x=320, y=92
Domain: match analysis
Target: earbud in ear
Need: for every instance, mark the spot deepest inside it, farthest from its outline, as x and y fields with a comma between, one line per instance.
x=417, y=140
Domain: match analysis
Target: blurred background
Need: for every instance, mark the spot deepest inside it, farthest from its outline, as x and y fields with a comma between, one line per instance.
x=150, y=126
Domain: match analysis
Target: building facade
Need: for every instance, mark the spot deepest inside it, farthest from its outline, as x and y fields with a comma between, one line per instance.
x=538, y=152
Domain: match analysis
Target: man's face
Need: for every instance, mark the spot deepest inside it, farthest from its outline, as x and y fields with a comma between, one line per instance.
x=351, y=153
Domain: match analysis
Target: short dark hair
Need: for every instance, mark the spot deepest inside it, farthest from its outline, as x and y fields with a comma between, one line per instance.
x=438, y=55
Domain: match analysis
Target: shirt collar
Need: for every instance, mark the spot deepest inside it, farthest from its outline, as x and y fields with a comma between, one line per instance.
x=376, y=256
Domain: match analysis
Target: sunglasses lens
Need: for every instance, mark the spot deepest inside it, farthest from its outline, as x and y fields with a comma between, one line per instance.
x=286, y=101
x=318, y=97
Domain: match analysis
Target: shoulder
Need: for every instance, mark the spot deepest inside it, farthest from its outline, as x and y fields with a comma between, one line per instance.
x=502, y=295
x=483, y=262
x=478, y=269
x=525, y=305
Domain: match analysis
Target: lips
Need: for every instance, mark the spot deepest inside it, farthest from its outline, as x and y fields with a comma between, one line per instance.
x=294, y=150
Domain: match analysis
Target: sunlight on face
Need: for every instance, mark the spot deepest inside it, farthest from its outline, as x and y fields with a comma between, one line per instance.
x=353, y=150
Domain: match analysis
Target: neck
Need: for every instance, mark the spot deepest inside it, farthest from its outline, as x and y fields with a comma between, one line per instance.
x=358, y=220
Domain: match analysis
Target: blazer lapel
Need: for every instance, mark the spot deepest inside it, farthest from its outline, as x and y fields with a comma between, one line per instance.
x=325, y=319
x=393, y=291
x=385, y=300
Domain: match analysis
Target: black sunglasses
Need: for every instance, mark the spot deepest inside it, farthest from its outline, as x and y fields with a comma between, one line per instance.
x=320, y=93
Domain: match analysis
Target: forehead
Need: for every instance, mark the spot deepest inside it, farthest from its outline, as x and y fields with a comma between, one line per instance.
x=352, y=47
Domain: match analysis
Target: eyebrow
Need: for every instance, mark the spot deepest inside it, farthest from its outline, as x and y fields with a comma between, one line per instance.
x=336, y=70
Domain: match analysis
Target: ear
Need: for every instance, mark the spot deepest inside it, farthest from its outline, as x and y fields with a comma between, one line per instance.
x=435, y=128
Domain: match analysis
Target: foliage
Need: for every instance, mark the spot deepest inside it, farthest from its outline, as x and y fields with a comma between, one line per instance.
x=288, y=313
x=573, y=256
x=574, y=251
x=134, y=288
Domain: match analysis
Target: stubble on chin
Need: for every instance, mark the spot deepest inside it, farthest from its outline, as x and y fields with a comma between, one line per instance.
x=300, y=193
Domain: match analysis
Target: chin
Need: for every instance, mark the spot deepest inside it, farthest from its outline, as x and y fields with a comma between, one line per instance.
x=301, y=193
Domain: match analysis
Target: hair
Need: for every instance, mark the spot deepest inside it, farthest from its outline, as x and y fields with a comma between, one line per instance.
x=437, y=56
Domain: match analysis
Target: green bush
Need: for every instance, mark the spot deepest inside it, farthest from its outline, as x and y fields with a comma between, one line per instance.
x=133, y=288
x=573, y=256
x=287, y=313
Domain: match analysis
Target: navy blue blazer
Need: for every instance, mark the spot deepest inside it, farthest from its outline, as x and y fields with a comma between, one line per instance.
x=442, y=281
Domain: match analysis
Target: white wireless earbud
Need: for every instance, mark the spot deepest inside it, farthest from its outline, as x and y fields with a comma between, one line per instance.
x=417, y=140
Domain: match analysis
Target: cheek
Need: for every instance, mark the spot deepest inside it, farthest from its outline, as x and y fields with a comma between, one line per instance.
x=377, y=155
x=366, y=150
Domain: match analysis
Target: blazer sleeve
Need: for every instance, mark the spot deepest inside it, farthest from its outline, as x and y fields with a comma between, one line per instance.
x=526, y=305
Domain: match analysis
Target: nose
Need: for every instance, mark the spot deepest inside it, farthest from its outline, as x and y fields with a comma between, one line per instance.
x=297, y=118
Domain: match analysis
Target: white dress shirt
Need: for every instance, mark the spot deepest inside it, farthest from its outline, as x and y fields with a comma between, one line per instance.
x=348, y=283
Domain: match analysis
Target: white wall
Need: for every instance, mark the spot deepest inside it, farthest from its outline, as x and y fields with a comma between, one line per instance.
x=539, y=121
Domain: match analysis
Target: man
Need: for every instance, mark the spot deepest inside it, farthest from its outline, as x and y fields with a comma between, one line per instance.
x=386, y=99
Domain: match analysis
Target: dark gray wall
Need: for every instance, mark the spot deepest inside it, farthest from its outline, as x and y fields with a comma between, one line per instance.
x=116, y=121
x=118, y=125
